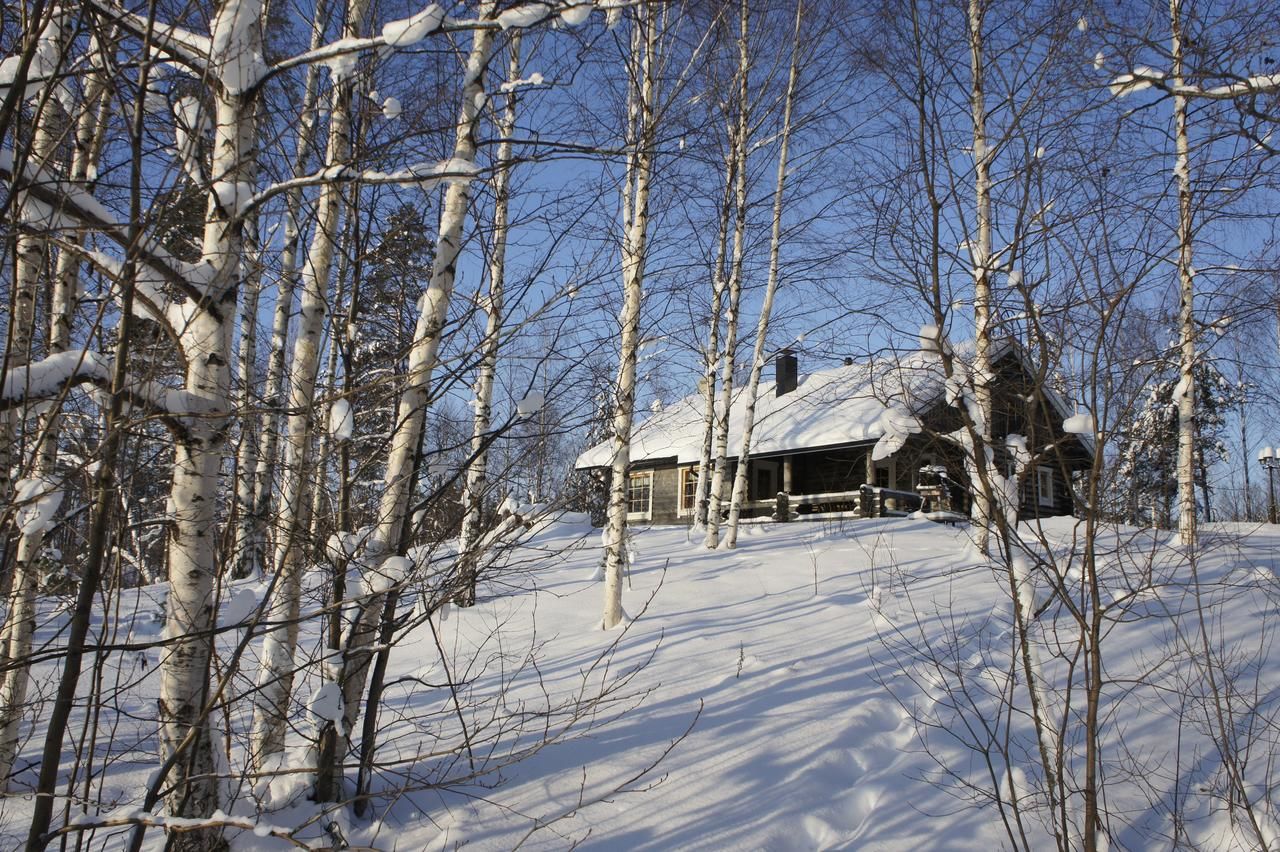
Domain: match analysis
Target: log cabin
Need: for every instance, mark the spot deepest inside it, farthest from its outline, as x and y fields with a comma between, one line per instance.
x=877, y=438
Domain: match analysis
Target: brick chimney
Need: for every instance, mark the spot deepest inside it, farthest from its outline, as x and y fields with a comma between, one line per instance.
x=786, y=371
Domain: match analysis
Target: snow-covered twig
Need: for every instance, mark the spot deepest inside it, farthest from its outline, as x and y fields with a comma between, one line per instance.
x=193, y=49
x=50, y=376
x=72, y=205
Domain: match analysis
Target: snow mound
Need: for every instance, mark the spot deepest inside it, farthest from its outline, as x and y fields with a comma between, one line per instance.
x=531, y=404
x=39, y=498
x=406, y=32
x=1078, y=424
x=341, y=420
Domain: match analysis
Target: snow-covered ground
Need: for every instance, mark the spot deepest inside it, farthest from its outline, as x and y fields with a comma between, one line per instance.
x=779, y=696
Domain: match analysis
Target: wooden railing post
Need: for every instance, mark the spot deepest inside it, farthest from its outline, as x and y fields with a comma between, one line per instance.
x=867, y=501
x=782, y=508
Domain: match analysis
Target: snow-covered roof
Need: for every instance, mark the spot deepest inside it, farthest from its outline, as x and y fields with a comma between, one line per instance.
x=874, y=401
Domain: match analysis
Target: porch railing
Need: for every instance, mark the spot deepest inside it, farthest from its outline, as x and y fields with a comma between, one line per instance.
x=867, y=501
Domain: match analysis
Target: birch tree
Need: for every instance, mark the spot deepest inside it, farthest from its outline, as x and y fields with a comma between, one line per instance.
x=740, y=151
x=477, y=484
x=201, y=324
x=250, y=532
x=641, y=128
x=711, y=355
x=41, y=488
x=186, y=740
x=402, y=464
x=275, y=680
x=29, y=248
x=771, y=287
x=980, y=247
x=1185, y=392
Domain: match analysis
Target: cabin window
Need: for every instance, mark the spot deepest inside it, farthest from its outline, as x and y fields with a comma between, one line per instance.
x=640, y=495
x=688, y=489
x=1044, y=485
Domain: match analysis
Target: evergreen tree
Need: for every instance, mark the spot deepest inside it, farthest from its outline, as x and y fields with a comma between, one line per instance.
x=1148, y=448
x=375, y=349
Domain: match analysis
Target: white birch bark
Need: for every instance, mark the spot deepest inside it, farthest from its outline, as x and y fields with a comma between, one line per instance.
x=716, y=495
x=712, y=355
x=16, y=638
x=771, y=287
x=199, y=449
x=28, y=250
x=980, y=252
x=251, y=531
x=634, y=253
x=411, y=409
x=20, y=619
x=1186, y=400
x=247, y=450
x=317, y=488
x=275, y=679
x=206, y=341
x=477, y=470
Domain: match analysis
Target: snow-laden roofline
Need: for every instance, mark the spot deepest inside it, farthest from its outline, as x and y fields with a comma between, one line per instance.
x=875, y=401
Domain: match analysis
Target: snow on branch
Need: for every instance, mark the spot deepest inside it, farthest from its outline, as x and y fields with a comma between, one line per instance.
x=897, y=424
x=53, y=203
x=127, y=815
x=44, y=64
x=406, y=32
x=413, y=29
x=1143, y=77
x=1262, y=84
x=428, y=174
x=50, y=376
x=47, y=377
x=191, y=48
x=1136, y=80
x=38, y=499
x=235, y=53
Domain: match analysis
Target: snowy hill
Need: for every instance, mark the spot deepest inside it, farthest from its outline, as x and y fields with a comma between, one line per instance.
x=840, y=684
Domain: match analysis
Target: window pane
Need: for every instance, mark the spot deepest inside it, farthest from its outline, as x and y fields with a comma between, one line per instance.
x=688, y=487
x=1044, y=485
x=639, y=489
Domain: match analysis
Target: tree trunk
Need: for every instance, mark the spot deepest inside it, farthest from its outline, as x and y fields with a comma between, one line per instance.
x=66, y=279
x=251, y=533
x=275, y=678
x=184, y=670
x=477, y=485
x=1243, y=417
x=634, y=253
x=980, y=252
x=246, y=465
x=762, y=326
x=712, y=355
x=729, y=359
x=20, y=619
x=411, y=409
x=28, y=251
x=1186, y=398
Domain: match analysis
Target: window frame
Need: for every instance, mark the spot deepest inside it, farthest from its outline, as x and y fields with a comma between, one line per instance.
x=686, y=476
x=1044, y=496
x=632, y=478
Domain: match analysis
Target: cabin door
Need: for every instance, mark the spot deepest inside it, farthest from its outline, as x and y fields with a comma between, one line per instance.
x=764, y=480
x=885, y=474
